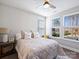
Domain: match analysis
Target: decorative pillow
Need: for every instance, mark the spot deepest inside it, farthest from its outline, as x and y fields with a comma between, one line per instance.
x=37, y=35
x=27, y=35
x=22, y=35
x=18, y=36
x=32, y=34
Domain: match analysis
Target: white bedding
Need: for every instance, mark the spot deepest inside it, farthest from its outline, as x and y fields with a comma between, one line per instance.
x=38, y=49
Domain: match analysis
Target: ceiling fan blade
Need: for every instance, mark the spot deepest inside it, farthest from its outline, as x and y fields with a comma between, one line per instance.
x=52, y=6
x=46, y=0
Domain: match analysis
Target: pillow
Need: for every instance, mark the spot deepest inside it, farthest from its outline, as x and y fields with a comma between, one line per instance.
x=22, y=35
x=32, y=34
x=18, y=36
x=27, y=35
x=37, y=35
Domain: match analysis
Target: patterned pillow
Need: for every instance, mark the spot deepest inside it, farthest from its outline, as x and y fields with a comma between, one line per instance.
x=18, y=36
x=22, y=35
x=27, y=35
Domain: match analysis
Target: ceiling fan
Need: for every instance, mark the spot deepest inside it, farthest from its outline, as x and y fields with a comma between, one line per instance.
x=47, y=4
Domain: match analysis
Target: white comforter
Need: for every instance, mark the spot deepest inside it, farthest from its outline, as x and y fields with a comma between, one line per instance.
x=38, y=49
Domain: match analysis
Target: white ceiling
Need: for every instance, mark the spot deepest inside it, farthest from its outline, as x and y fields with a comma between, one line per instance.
x=36, y=5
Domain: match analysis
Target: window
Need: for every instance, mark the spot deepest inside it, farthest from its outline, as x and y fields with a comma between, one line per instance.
x=66, y=27
x=56, y=22
x=55, y=32
x=71, y=26
x=56, y=27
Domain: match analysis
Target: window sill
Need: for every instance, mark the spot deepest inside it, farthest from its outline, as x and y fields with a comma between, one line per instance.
x=73, y=49
x=68, y=43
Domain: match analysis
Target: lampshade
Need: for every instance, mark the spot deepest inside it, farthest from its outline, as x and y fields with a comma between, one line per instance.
x=3, y=30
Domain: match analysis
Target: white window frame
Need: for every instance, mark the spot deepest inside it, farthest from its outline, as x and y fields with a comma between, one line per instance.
x=70, y=14
x=57, y=26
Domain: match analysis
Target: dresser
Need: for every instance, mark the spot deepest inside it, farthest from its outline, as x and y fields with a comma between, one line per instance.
x=7, y=48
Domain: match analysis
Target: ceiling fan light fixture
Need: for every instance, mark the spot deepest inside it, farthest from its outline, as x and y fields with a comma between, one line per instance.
x=46, y=5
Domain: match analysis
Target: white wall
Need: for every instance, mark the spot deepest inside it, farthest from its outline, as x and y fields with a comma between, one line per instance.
x=16, y=19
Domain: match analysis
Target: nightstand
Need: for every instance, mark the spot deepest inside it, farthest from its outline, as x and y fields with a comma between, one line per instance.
x=7, y=48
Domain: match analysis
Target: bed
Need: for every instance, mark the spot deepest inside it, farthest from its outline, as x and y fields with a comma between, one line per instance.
x=38, y=49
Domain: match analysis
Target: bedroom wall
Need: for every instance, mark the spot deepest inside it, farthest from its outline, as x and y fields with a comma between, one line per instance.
x=16, y=19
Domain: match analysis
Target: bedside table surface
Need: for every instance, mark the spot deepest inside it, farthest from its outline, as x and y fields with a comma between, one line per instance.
x=5, y=43
x=7, y=48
